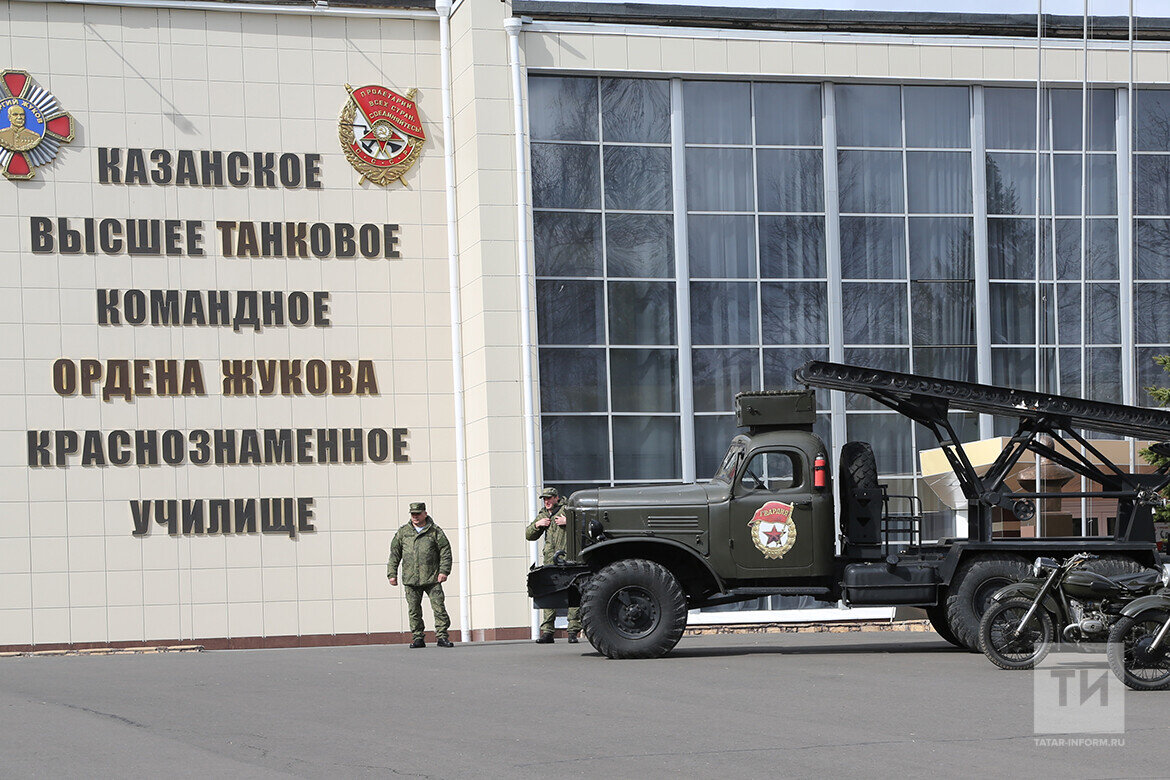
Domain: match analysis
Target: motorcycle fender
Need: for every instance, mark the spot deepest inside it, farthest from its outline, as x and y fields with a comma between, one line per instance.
x=1027, y=590
x=1138, y=606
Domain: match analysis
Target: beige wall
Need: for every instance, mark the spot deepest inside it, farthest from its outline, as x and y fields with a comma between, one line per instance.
x=70, y=570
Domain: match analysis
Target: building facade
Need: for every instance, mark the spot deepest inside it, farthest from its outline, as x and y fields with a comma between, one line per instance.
x=273, y=272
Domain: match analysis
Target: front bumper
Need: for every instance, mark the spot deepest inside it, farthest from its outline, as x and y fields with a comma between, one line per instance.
x=555, y=587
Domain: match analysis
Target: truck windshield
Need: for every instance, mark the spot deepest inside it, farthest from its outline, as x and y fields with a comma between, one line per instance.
x=730, y=464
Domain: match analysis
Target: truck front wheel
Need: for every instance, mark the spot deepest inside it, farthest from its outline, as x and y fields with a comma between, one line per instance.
x=633, y=609
x=971, y=591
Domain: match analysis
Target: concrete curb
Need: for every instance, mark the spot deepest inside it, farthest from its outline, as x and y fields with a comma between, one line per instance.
x=110, y=651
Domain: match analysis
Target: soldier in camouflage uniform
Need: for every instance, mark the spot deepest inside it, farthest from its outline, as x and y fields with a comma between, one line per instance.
x=425, y=554
x=550, y=521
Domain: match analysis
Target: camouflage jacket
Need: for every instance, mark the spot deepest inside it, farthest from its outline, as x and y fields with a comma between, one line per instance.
x=555, y=536
x=424, y=555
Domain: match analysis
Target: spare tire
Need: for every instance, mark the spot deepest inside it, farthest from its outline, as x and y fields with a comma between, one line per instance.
x=858, y=466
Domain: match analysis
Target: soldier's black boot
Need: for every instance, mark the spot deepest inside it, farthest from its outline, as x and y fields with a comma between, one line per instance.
x=444, y=642
x=418, y=643
x=545, y=638
x=572, y=637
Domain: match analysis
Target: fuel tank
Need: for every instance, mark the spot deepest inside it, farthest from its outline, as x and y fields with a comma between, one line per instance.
x=1090, y=585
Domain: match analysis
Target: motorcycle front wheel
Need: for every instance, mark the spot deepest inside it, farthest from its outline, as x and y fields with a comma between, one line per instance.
x=1009, y=645
x=1130, y=656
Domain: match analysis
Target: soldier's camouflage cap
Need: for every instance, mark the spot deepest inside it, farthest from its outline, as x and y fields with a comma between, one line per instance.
x=550, y=493
x=418, y=506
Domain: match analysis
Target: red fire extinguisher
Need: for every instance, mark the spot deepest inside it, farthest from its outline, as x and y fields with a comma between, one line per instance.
x=819, y=471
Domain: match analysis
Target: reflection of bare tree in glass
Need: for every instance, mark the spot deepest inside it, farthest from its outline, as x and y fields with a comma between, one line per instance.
x=792, y=247
x=1151, y=183
x=1001, y=196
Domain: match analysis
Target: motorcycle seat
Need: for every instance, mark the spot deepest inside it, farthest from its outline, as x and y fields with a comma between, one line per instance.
x=1142, y=580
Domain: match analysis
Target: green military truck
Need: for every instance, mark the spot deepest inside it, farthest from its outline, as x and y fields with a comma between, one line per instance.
x=638, y=558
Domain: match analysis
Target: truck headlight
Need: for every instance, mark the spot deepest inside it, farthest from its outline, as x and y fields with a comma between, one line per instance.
x=596, y=532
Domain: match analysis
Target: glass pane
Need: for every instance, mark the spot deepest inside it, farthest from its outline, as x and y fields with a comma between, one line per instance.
x=1047, y=303
x=1102, y=261
x=572, y=380
x=1102, y=308
x=941, y=248
x=1152, y=248
x=794, y=312
x=722, y=246
x=719, y=180
x=565, y=177
x=939, y=182
x=575, y=448
x=717, y=112
x=1014, y=368
x=1068, y=313
x=874, y=313
x=937, y=116
x=1101, y=196
x=637, y=177
x=1011, y=247
x=1067, y=116
x=1011, y=184
x=641, y=313
x=1152, y=120
x=720, y=374
x=1152, y=313
x=635, y=110
x=790, y=179
x=771, y=471
x=873, y=248
x=643, y=380
x=868, y=115
x=886, y=358
x=1151, y=184
x=788, y=114
x=562, y=108
x=639, y=245
x=958, y=363
x=1010, y=117
x=1103, y=370
x=944, y=313
x=650, y=448
x=891, y=438
x=870, y=182
x=1150, y=374
x=780, y=363
x=712, y=436
x=1070, y=371
x=723, y=313
x=569, y=312
x=566, y=244
x=1013, y=314
x=792, y=247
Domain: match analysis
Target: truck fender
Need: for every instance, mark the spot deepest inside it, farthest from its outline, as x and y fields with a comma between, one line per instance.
x=1140, y=605
x=671, y=547
x=1027, y=590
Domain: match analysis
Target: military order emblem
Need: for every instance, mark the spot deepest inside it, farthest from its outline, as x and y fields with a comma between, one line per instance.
x=32, y=125
x=381, y=133
x=773, y=531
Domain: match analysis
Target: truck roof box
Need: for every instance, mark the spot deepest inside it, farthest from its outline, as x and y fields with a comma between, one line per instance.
x=776, y=409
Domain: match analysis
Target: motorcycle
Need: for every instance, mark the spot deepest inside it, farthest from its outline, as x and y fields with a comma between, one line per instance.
x=1139, y=642
x=1025, y=619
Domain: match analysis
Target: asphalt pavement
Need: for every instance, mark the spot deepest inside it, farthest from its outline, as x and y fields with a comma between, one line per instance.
x=795, y=705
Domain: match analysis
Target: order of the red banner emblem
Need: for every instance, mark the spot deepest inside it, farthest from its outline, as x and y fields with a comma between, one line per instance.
x=32, y=125
x=773, y=531
x=381, y=133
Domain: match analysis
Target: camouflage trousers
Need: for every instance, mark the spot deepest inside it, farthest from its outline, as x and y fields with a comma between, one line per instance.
x=548, y=618
x=414, y=594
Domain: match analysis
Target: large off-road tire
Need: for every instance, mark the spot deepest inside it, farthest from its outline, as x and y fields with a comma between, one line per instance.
x=1129, y=655
x=938, y=621
x=1113, y=565
x=633, y=609
x=971, y=590
x=1007, y=649
x=858, y=465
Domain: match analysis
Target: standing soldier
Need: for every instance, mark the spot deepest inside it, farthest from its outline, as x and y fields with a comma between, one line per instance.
x=550, y=521
x=425, y=554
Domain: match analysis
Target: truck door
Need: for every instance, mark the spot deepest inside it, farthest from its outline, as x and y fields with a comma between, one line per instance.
x=772, y=513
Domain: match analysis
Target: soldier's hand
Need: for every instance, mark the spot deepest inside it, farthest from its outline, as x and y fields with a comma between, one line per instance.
x=442, y=578
x=560, y=519
x=543, y=523
x=393, y=580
